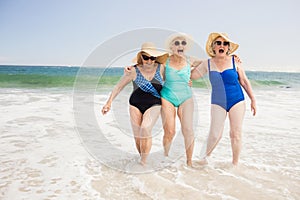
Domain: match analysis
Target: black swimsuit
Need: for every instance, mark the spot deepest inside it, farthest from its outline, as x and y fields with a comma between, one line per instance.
x=142, y=98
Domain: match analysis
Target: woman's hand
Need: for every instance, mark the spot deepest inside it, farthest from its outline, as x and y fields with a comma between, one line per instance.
x=105, y=109
x=237, y=59
x=128, y=70
x=253, y=107
x=190, y=83
x=196, y=63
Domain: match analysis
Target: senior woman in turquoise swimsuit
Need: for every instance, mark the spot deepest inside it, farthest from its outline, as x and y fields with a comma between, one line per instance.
x=177, y=94
x=226, y=77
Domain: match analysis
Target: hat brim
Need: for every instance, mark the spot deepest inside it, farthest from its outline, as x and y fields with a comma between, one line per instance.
x=174, y=36
x=213, y=36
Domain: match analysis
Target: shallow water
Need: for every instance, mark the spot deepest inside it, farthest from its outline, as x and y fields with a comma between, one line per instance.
x=43, y=154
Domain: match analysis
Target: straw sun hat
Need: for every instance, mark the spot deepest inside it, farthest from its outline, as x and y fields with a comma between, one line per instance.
x=174, y=36
x=212, y=37
x=150, y=49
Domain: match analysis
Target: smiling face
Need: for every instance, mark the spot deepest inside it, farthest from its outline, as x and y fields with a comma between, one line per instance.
x=220, y=46
x=178, y=46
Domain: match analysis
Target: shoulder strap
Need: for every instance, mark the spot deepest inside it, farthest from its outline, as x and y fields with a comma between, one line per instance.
x=233, y=63
x=168, y=62
x=157, y=75
x=137, y=69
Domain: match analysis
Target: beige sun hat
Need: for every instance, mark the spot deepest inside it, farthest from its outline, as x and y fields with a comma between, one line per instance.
x=213, y=36
x=150, y=49
x=169, y=41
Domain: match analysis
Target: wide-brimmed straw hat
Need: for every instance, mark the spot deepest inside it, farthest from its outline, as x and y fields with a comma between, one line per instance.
x=169, y=41
x=150, y=49
x=212, y=37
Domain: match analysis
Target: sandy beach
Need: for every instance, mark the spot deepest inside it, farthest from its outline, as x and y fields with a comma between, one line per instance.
x=43, y=155
x=59, y=61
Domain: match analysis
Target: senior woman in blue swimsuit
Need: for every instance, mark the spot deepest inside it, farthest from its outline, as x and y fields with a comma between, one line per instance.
x=226, y=77
x=145, y=100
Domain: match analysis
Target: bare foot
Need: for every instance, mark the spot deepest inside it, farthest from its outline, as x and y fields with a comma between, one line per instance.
x=189, y=163
x=166, y=149
x=143, y=163
x=202, y=162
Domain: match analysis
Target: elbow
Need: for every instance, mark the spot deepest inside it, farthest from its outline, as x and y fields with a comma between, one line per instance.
x=244, y=83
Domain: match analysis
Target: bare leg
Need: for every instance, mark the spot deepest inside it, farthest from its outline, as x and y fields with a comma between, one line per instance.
x=149, y=119
x=136, y=118
x=218, y=116
x=236, y=117
x=185, y=114
x=168, y=120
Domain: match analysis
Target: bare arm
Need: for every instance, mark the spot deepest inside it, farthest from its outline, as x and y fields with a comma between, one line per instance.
x=199, y=69
x=245, y=83
x=128, y=70
x=126, y=78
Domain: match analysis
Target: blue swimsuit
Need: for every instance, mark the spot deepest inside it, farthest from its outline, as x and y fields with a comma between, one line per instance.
x=226, y=89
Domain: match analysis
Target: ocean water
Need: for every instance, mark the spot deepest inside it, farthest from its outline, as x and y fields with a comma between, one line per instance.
x=65, y=77
x=55, y=143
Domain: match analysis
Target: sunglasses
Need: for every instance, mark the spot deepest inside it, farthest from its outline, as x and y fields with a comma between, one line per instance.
x=219, y=43
x=148, y=57
x=177, y=43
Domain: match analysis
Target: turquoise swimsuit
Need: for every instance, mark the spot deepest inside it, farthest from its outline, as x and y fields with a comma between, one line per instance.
x=176, y=89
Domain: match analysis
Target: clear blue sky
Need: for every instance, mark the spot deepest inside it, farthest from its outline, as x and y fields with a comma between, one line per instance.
x=65, y=32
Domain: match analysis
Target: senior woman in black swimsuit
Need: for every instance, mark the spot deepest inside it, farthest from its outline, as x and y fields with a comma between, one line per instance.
x=145, y=101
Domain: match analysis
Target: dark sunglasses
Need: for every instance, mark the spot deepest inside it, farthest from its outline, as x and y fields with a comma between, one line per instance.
x=177, y=43
x=148, y=57
x=220, y=42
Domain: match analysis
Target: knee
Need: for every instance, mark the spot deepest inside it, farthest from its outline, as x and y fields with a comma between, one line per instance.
x=145, y=132
x=188, y=132
x=169, y=133
x=214, y=135
x=235, y=134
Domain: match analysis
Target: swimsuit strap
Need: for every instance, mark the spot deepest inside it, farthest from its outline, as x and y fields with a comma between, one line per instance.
x=233, y=63
x=168, y=62
x=157, y=75
x=144, y=84
x=208, y=62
